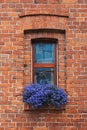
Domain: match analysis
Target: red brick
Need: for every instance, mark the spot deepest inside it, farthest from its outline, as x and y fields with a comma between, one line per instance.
x=41, y=128
x=11, y=1
x=23, y=20
x=11, y=128
x=69, y=1
x=1, y=128
x=26, y=1
x=1, y=1
x=28, y=128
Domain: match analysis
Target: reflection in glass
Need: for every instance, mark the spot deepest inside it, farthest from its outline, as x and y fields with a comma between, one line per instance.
x=44, y=53
x=44, y=75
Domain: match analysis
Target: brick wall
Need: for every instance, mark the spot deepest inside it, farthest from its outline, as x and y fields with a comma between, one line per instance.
x=22, y=20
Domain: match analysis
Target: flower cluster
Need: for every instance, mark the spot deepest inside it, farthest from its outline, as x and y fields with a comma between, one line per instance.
x=38, y=95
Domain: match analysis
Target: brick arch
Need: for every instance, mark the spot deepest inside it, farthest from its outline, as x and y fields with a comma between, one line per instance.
x=44, y=33
x=61, y=11
x=43, y=22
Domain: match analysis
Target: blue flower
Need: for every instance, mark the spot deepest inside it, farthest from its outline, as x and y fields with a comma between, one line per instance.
x=38, y=95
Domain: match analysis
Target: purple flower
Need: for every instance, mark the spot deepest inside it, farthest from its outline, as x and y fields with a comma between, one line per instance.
x=38, y=95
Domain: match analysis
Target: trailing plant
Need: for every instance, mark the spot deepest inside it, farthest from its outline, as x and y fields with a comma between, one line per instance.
x=37, y=95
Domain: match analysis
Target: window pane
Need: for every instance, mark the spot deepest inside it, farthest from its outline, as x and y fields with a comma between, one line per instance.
x=44, y=75
x=44, y=53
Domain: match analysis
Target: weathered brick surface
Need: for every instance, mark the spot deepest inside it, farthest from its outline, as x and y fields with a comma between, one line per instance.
x=65, y=20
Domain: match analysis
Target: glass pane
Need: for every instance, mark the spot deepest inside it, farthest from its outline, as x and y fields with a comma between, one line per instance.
x=44, y=75
x=44, y=53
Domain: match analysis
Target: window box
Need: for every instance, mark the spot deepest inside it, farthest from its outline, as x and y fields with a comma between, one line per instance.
x=40, y=97
x=44, y=108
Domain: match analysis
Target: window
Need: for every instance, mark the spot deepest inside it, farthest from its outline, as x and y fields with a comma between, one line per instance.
x=44, y=62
